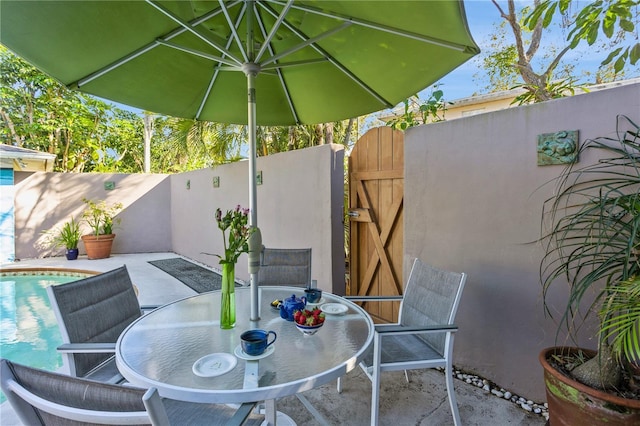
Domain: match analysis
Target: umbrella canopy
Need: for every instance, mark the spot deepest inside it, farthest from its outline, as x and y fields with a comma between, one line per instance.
x=254, y=62
x=318, y=61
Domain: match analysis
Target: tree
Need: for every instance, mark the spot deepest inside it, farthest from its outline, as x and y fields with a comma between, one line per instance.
x=37, y=112
x=612, y=18
x=417, y=112
x=273, y=139
x=537, y=83
x=527, y=26
x=183, y=144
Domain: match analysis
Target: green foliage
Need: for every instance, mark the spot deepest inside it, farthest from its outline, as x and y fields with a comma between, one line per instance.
x=66, y=236
x=621, y=318
x=181, y=144
x=85, y=133
x=417, y=112
x=595, y=230
x=274, y=139
x=611, y=18
x=554, y=89
x=499, y=66
x=100, y=216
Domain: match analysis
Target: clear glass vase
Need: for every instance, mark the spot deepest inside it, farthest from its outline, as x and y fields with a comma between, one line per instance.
x=228, y=296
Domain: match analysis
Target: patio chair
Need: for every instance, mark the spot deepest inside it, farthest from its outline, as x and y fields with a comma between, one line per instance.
x=423, y=336
x=285, y=267
x=42, y=397
x=91, y=314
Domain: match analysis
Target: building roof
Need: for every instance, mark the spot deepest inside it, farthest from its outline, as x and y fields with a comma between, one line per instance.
x=25, y=160
x=511, y=94
x=504, y=96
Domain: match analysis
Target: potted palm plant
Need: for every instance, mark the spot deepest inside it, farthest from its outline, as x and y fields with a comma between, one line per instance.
x=67, y=236
x=593, y=243
x=100, y=217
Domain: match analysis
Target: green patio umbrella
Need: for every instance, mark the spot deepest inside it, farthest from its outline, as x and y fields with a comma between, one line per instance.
x=254, y=62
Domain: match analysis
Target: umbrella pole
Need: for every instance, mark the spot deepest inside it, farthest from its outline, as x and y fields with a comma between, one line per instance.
x=251, y=73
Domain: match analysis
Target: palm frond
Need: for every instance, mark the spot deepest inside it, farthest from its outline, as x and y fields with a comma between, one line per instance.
x=594, y=225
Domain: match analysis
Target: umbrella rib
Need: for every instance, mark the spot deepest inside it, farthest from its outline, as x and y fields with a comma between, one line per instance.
x=198, y=53
x=144, y=49
x=274, y=29
x=307, y=42
x=193, y=30
x=333, y=61
x=116, y=64
x=386, y=28
x=218, y=68
x=232, y=28
x=267, y=45
x=281, y=65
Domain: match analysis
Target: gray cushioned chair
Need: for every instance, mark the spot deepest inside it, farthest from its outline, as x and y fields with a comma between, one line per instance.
x=285, y=267
x=92, y=313
x=423, y=335
x=42, y=397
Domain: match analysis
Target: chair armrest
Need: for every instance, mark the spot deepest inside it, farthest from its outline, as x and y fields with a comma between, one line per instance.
x=405, y=329
x=373, y=298
x=87, y=348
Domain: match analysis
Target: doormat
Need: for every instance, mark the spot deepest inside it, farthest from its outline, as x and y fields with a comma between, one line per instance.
x=196, y=277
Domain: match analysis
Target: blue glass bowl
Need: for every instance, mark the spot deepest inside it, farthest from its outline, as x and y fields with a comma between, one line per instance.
x=309, y=330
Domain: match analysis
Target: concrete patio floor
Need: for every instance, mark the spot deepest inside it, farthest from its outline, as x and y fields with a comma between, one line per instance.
x=422, y=401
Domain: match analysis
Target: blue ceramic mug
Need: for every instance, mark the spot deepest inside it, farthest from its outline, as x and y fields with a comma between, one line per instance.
x=313, y=295
x=255, y=342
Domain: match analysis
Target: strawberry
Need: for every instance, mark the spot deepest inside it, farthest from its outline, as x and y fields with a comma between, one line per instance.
x=309, y=317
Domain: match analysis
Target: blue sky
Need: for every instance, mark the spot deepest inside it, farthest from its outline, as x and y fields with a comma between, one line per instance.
x=481, y=17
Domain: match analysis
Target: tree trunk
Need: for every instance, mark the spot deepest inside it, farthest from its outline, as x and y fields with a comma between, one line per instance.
x=328, y=133
x=148, y=134
x=603, y=371
x=347, y=134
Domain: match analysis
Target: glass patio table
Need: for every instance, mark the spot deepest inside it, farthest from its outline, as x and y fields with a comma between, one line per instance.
x=161, y=348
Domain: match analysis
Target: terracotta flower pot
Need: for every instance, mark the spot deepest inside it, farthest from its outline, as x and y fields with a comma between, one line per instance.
x=572, y=403
x=98, y=247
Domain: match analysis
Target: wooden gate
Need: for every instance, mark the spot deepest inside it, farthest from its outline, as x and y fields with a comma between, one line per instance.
x=376, y=192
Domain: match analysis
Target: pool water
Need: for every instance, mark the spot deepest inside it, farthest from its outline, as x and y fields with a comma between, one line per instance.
x=29, y=332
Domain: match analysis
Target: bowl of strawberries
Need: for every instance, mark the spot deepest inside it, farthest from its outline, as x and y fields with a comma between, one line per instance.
x=309, y=321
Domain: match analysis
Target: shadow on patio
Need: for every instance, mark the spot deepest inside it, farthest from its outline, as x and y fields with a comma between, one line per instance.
x=421, y=401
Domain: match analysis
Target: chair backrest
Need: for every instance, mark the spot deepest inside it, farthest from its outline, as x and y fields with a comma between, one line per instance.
x=96, y=309
x=42, y=397
x=431, y=297
x=285, y=267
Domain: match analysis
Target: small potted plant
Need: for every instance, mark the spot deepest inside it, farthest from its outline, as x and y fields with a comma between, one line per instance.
x=66, y=236
x=100, y=217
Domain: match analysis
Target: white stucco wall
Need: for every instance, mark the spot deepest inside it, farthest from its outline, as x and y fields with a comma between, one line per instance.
x=46, y=200
x=473, y=202
x=300, y=205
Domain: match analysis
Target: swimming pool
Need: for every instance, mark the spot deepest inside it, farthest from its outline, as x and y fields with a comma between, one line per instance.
x=29, y=332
